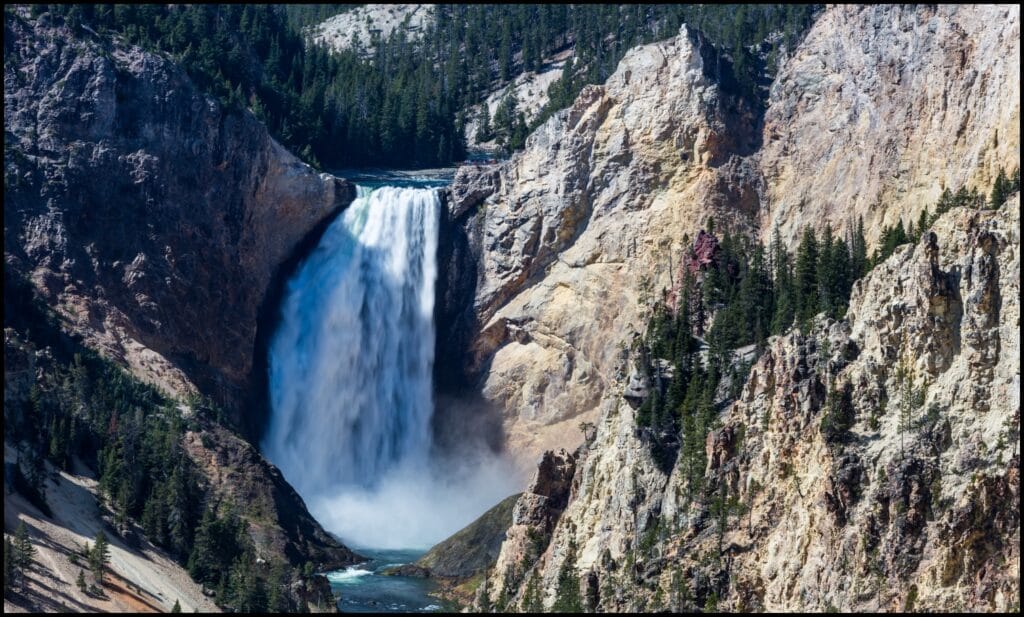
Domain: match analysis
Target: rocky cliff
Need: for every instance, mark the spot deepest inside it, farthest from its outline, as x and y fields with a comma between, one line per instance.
x=882, y=107
x=872, y=115
x=912, y=505
x=578, y=231
x=152, y=219
x=868, y=465
x=156, y=224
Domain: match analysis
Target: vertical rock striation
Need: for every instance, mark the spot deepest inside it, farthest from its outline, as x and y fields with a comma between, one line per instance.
x=152, y=219
x=872, y=115
x=881, y=107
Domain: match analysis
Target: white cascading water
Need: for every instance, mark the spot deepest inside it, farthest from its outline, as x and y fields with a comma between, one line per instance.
x=351, y=376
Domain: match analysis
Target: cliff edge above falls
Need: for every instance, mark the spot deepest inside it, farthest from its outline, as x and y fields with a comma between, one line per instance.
x=152, y=219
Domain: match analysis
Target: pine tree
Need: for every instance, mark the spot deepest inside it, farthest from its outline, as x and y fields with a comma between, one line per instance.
x=24, y=552
x=246, y=589
x=1000, y=190
x=277, y=599
x=80, y=581
x=945, y=202
x=216, y=545
x=485, y=597
x=10, y=567
x=681, y=591
x=176, y=608
x=923, y=223
x=501, y=606
x=567, y=595
x=532, y=603
x=905, y=385
x=859, y=251
x=759, y=306
x=842, y=278
x=483, y=130
x=806, y=278
x=827, y=298
x=99, y=556
x=785, y=301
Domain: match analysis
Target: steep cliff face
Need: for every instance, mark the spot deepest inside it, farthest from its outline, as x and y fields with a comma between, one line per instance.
x=868, y=465
x=576, y=232
x=881, y=107
x=908, y=504
x=276, y=515
x=153, y=222
x=873, y=114
x=152, y=219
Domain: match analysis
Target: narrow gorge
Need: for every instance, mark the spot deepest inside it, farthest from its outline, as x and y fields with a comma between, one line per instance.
x=721, y=314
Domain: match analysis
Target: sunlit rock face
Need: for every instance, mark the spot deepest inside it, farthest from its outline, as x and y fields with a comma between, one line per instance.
x=874, y=113
x=578, y=232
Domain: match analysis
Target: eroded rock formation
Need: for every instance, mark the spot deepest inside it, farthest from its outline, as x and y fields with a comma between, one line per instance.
x=577, y=232
x=871, y=116
x=153, y=222
x=914, y=505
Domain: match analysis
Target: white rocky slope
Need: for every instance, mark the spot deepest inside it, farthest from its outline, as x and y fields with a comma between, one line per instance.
x=359, y=24
x=531, y=93
x=141, y=579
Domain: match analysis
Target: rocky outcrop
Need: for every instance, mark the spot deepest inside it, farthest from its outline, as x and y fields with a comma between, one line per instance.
x=471, y=185
x=534, y=517
x=908, y=505
x=278, y=521
x=151, y=218
x=358, y=25
x=881, y=107
x=472, y=549
x=577, y=232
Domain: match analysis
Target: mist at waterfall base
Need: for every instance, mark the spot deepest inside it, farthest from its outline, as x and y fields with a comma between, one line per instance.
x=350, y=372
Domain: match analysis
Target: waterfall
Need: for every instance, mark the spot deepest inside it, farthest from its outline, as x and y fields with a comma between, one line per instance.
x=350, y=372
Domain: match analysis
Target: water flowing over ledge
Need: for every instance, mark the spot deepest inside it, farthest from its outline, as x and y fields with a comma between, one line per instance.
x=350, y=371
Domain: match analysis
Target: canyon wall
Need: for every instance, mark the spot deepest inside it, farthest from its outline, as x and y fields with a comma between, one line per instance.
x=578, y=232
x=913, y=505
x=583, y=231
x=882, y=107
x=150, y=217
x=156, y=223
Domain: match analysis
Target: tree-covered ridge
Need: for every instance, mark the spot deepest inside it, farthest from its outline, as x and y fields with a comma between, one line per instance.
x=80, y=405
x=404, y=105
